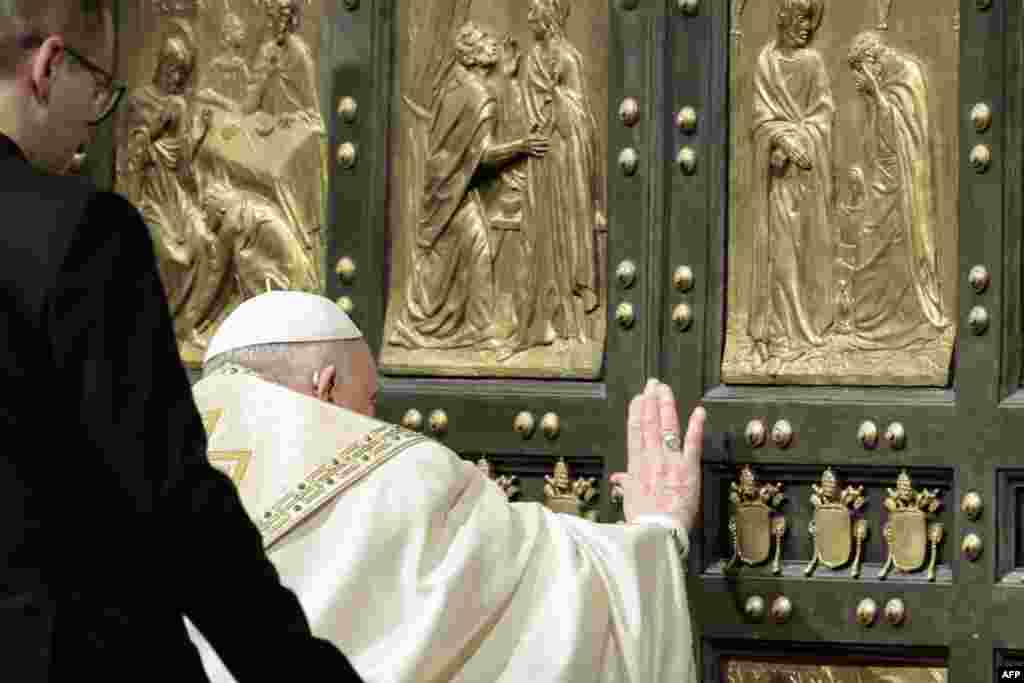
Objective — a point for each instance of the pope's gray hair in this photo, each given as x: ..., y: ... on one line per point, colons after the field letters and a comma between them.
x: 290, y: 363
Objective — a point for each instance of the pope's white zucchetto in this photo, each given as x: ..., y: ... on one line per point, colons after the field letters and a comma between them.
x: 280, y: 318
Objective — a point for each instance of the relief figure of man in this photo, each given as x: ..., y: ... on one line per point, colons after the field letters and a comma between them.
x: 791, y: 289
x: 450, y: 289
x: 227, y: 76
x: 897, y: 290
x: 282, y: 95
x: 283, y: 80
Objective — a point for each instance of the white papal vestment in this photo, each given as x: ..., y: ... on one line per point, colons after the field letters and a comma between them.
x: 422, y: 571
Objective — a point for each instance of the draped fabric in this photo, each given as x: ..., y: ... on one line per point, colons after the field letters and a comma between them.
x: 563, y: 199
x: 450, y: 291
x: 791, y: 285
x: 266, y: 253
x: 423, y: 571
x: 283, y: 84
x: 897, y: 292
x: 284, y: 80
x: 158, y: 171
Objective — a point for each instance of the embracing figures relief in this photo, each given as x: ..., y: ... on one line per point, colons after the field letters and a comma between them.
x: 843, y: 193
x: 498, y: 199
x: 222, y: 146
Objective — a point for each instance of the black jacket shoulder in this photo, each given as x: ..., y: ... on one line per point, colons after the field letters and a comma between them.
x: 41, y: 215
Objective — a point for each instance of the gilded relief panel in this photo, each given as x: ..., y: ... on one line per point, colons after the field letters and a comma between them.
x: 497, y: 196
x: 759, y: 671
x: 222, y: 146
x: 843, y: 192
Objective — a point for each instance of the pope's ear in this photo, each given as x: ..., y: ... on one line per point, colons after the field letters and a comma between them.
x: 325, y: 383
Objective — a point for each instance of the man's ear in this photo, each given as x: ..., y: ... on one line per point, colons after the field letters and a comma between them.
x: 325, y: 380
x: 44, y: 66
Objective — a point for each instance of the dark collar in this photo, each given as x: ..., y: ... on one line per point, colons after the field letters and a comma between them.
x: 9, y: 148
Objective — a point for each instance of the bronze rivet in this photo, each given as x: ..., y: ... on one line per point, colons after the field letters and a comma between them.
x: 346, y: 269
x: 978, y: 320
x: 867, y: 612
x: 687, y: 160
x: 347, y: 155
x: 682, y: 316
x: 351, y: 4
x: 981, y: 158
x: 971, y: 547
x: 867, y: 434
x: 896, y: 436
x: 979, y: 278
x: 754, y: 608
x: 629, y: 111
x: 981, y: 116
x: 345, y: 303
x: 782, y: 609
x: 625, y: 273
x: 971, y: 505
x: 524, y: 424
x: 347, y: 109
x: 625, y: 315
x: 412, y: 420
x: 438, y: 422
x: 550, y: 425
x: 682, y: 278
x: 628, y: 161
x: 688, y: 6
x: 686, y: 119
x: 782, y: 433
x: 895, y: 612
x: 755, y: 433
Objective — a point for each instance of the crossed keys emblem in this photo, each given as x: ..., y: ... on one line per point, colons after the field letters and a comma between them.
x: 907, y: 532
x: 832, y: 526
x: 754, y: 523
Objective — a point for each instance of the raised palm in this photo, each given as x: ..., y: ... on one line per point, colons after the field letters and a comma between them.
x: 659, y: 479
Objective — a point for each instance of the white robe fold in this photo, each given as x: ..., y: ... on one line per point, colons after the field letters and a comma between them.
x: 422, y: 571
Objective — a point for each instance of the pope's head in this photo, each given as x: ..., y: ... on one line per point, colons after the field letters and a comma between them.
x: 301, y: 341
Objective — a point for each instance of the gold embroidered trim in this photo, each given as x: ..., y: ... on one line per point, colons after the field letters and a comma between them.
x: 232, y: 463
x: 210, y: 420
x: 320, y: 486
x: 234, y: 369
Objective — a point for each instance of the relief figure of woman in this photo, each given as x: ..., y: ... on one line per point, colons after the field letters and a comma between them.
x: 564, y: 194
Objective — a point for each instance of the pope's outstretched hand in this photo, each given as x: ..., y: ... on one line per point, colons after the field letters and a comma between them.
x: 663, y: 476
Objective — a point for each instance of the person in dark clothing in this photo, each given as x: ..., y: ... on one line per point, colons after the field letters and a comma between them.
x: 105, y: 489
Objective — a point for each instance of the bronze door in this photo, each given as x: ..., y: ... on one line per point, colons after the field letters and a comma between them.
x: 852, y: 224
x: 804, y: 215
x: 506, y: 294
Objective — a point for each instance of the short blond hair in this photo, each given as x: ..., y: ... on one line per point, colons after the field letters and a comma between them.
x: 25, y: 24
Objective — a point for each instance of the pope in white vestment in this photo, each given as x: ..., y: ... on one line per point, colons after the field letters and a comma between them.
x: 412, y: 561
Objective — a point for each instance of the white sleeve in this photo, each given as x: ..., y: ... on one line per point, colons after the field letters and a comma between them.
x: 424, y: 571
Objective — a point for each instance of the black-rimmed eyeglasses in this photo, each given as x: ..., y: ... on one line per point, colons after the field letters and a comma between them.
x: 108, y: 91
